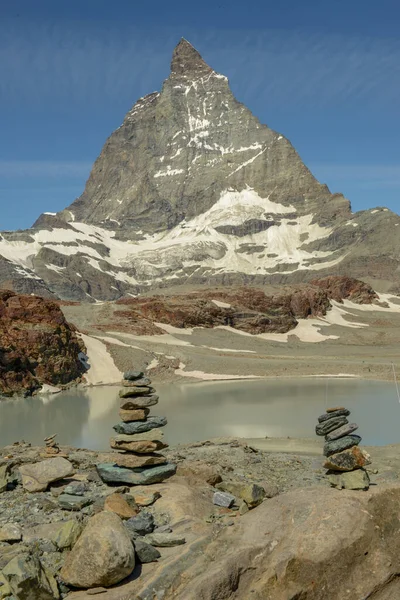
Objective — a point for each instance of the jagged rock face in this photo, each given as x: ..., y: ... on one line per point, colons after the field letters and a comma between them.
x: 179, y: 151
x: 193, y: 189
x: 37, y: 345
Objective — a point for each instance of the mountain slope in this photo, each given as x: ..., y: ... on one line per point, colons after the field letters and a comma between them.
x: 192, y: 188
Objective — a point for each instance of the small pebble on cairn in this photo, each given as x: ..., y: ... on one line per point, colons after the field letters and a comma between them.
x: 345, y: 461
x: 135, y: 459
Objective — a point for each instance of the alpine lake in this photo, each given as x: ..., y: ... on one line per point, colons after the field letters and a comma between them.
x: 273, y: 408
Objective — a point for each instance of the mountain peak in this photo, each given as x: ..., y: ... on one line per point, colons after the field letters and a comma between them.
x: 186, y: 59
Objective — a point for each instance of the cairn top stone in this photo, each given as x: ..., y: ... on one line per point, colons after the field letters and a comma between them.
x: 335, y: 408
x: 340, y: 412
x: 132, y: 375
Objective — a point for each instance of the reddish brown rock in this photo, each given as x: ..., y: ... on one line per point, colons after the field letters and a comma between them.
x: 197, y: 471
x: 340, y: 287
x: 133, y: 461
x: 37, y: 345
x: 127, y: 416
x: 115, y: 503
x: 139, y: 446
x: 144, y: 496
x: 347, y: 460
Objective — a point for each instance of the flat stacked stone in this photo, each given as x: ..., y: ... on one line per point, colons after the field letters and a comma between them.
x: 135, y: 458
x: 345, y: 461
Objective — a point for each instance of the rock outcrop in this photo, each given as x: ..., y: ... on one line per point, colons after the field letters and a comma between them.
x: 347, y: 288
x: 193, y: 189
x: 37, y: 345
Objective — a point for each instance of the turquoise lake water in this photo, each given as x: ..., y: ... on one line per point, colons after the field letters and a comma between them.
x: 198, y: 411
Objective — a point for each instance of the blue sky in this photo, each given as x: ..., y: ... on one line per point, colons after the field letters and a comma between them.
x: 325, y: 74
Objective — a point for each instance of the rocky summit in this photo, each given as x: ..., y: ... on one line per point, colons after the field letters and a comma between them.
x: 193, y: 189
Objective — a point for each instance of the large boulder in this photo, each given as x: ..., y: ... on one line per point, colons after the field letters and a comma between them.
x: 37, y: 476
x: 313, y: 544
x: 103, y: 555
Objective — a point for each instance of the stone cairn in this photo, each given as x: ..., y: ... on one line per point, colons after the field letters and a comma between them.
x: 52, y: 446
x: 345, y: 461
x: 136, y: 459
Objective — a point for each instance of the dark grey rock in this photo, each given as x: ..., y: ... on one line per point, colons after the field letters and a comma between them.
x: 141, y: 476
x: 341, y: 444
x: 328, y: 426
x: 342, y: 412
x: 341, y: 432
x: 70, y: 502
x: 146, y: 553
x: 140, y: 426
x: 142, y: 524
x: 132, y: 375
x: 141, y: 382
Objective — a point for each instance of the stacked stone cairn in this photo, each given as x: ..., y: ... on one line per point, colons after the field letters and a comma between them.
x: 136, y: 460
x: 345, y: 461
x: 52, y: 446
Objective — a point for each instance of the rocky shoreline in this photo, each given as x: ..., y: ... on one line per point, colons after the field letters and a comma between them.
x: 39, y: 525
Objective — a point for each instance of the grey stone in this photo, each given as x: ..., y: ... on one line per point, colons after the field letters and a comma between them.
x: 351, y: 480
x: 68, y: 534
x: 140, y: 426
x: 223, y: 499
x: 329, y: 425
x: 341, y: 432
x: 10, y: 532
x: 4, y: 475
x: 141, y: 382
x: 164, y: 540
x: 132, y: 375
x: 76, y: 488
x: 37, y: 476
x: 70, y: 502
x: 29, y: 580
x: 146, y: 553
x: 139, y: 402
x: 142, y: 524
x: 137, y: 391
x: 341, y: 412
x: 341, y: 444
x: 163, y: 529
x: 142, y: 476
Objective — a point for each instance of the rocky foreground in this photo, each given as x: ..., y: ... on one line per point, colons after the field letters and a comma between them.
x: 234, y: 522
x: 37, y: 345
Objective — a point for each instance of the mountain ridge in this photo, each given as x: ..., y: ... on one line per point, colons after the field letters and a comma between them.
x: 192, y: 188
